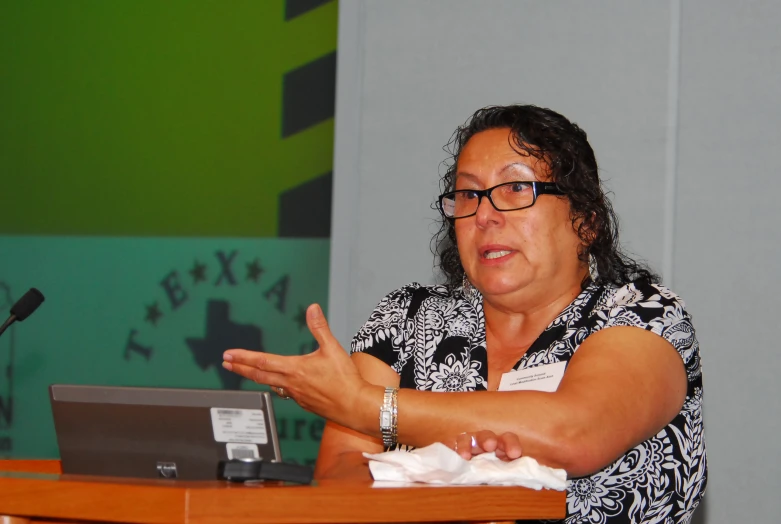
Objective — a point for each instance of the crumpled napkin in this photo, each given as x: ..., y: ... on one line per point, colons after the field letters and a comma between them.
x: 438, y: 464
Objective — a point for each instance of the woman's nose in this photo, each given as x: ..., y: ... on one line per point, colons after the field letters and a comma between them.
x: 486, y: 213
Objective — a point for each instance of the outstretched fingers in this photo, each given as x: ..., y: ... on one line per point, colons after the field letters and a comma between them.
x: 318, y: 326
x: 256, y: 359
x: 256, y: 375
x: 263, y: 368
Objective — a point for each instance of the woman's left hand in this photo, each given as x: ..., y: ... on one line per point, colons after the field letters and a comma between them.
x: 506, y: 446
x: 325, y: 382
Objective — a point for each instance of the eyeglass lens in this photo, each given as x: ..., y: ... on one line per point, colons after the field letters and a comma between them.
x: 505, y: 197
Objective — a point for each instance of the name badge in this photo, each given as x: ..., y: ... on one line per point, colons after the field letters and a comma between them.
x: 541, y: 378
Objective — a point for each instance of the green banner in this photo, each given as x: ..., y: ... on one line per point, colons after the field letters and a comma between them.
x: 166, y: 171
x: 149, y: 117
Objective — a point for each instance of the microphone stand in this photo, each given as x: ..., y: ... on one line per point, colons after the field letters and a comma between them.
x: 7, y: 323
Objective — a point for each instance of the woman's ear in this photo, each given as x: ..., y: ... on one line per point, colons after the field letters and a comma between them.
x: 586, y: 228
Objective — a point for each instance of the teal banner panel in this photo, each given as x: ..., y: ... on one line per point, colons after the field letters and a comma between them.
x: 152, y: 312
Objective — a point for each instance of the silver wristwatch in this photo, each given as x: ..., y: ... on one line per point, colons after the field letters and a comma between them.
x: 388, y: 413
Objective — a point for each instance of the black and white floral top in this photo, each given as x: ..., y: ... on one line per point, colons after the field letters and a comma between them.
x: 435, y: 340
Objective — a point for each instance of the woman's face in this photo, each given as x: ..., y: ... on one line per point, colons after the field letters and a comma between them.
x: 506, y: 253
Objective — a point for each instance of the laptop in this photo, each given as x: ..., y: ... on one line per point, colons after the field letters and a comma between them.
x: 160, y: 432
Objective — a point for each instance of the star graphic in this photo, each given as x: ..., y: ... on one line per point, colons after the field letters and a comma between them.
x: 153, y: 314
x: 300, y: 318
x: 254, y: 270
x: 198, y: 272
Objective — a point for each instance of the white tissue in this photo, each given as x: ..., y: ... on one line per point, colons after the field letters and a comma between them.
x: 438, y: 464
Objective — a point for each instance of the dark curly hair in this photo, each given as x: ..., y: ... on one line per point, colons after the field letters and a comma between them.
x: 563, y: 146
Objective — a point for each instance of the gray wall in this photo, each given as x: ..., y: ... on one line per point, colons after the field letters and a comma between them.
x: 680, y: 102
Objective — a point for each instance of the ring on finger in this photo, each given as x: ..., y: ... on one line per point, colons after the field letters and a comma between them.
x: 472, y: 440
x: 280, y: 391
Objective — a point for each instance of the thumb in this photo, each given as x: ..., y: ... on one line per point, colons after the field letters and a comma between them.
x: 318, y: 326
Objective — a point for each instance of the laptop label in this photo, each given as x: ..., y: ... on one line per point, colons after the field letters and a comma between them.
x: 247, y: 426
x: 242, y: 451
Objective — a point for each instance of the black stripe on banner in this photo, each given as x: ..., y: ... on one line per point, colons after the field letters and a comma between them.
x: 305, y: 211
x: 309, y: 94
x: 294, y: 8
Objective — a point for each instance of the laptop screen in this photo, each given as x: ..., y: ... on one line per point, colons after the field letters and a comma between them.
x: 160, y: 432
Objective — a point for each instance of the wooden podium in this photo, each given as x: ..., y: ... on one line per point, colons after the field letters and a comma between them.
x: 34, y: 491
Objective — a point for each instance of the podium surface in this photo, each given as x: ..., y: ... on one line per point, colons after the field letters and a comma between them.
x: 34, y: 491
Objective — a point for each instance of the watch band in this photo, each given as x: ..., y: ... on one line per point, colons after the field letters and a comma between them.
x: 388, y: 413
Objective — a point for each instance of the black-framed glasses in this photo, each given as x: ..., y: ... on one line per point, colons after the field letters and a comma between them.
x: 509, y: 196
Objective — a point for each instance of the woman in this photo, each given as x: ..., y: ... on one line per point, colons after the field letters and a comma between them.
x: 535, y: 277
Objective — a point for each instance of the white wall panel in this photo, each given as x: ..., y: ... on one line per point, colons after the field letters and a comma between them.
x: 681, y: 103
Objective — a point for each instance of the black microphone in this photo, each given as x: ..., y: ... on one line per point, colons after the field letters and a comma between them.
x: 23, y: 308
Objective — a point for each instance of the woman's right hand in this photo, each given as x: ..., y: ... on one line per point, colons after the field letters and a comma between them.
x: 507, y: 446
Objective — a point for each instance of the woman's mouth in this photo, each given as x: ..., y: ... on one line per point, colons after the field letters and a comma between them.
x: 490, y: 255
x: 493, y: 254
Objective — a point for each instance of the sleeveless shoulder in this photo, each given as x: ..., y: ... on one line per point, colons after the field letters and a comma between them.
x: 655, y: 308
x: 382, y: 335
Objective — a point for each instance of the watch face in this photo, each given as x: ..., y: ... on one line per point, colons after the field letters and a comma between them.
x: 385, y: 418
